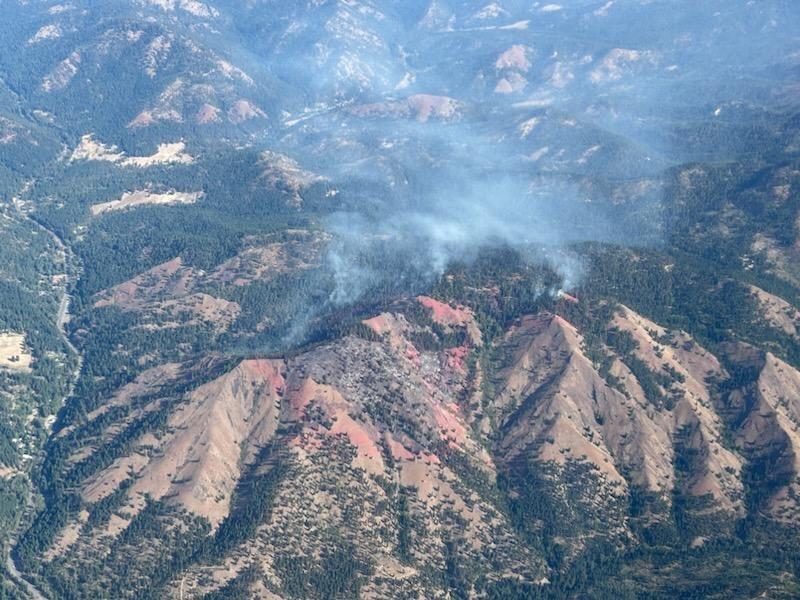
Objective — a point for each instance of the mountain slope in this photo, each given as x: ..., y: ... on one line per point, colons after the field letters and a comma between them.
x: 383, y: 454
x: 440, y: 298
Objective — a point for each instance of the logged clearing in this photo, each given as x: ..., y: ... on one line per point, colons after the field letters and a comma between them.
x: 140, y: 197
x: 166, y: 154
x: 13, y: 354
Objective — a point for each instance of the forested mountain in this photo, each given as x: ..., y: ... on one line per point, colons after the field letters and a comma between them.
x: 421, y: 299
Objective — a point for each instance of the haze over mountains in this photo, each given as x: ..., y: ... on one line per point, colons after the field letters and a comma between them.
x: 335, y: 299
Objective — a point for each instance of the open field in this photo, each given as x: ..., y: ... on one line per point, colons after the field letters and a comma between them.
x: 13, y: 354
x: 140, y: 197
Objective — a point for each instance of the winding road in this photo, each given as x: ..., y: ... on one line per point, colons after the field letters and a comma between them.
x: 26, y: 586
